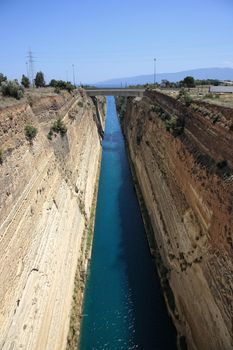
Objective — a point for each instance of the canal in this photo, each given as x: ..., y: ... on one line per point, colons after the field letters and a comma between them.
x: 123, y: 303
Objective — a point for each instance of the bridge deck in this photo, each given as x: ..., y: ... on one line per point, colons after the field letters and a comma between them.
x: 116, y: 92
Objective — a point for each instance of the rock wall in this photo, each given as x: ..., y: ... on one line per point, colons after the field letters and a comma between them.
x: 183, y: 160
x: 47, y: 190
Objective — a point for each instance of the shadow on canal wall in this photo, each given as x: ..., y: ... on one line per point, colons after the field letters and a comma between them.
x: 153, y: 327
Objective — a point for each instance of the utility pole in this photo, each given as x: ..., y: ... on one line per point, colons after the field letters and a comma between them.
x: 31, y: 67
x: 27, y: 69
x: 73, y: 74
x: 154, y: 71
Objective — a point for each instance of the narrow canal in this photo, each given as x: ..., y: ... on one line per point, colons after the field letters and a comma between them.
x: 123, y: 305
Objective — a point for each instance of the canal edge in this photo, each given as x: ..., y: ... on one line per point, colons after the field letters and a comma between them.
x: 73, y: 338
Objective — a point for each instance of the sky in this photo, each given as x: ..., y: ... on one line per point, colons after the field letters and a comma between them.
x: 112, y: 39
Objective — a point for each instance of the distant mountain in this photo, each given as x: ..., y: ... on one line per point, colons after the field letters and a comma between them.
x: 201, y: 73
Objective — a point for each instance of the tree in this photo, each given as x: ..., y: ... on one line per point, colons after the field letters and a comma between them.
x: 189, y: 82
x: 53, y: 83
x: 69, y: 87
x: 25, y: 81
x: 165, y: 83
x: 62, y: 85
x: 39, y: 80
x: 2, y: 78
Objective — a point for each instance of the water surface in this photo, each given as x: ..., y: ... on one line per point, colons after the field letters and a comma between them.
x: 123, y: 305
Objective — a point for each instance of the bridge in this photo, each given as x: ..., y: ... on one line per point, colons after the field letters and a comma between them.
x: 115, y: 92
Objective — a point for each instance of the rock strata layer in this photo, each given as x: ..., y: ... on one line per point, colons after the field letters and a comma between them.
x: 47, y: 189
x: 183, y: 161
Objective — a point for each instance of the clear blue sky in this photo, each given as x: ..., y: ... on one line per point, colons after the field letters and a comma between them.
x: 111, y: 39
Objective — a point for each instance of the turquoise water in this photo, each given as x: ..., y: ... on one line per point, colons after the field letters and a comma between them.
x: 123, y: 304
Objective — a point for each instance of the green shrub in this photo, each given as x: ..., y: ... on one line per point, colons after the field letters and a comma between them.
x: 184, y: 97
x: 30, y: 132
x: 182, y: 92
x: 57, y: 90
x: 50, y: 135
x: 12, y: 88
x: 188, y: 100
x: 59, y: 127
x: 175, y: 126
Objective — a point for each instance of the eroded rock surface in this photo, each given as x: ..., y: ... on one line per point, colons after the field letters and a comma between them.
x: 47, y: 190
x: 183, y: 161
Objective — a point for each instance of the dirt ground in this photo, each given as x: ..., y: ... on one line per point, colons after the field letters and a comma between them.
x: 28, y: 94
x: 201, y: 93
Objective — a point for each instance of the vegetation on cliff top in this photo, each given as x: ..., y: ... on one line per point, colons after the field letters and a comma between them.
x: 25, y: 82
x: 188, y: 82
x: 12, y: 88
x: 2, y: 78
x: 61, y: 85
x: 39, y: 80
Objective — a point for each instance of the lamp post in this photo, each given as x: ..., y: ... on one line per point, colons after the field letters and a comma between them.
x: 154, y: 71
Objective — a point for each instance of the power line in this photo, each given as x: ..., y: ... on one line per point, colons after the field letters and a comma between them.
x: 31, y: 66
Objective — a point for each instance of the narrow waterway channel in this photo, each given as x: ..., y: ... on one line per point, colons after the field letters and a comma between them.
x: 123, y: 305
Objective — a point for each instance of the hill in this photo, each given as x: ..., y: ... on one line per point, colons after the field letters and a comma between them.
x: 201, y: 73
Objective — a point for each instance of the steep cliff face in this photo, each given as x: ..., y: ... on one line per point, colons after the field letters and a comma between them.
x: 183, y: 161
x: 47, y: 190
